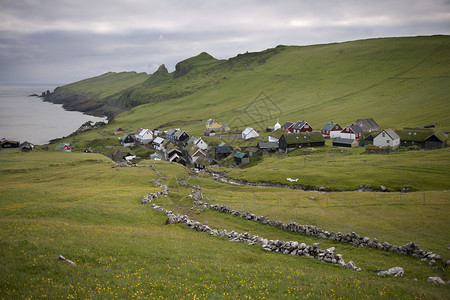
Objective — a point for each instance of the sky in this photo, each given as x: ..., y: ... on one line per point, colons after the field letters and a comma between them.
x: 63, y: 41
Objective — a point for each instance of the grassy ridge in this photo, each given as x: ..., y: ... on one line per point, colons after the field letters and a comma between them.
x: 399, y: 82
x: 90, y: 213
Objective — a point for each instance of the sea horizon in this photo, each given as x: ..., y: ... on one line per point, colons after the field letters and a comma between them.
x: 27, y: 118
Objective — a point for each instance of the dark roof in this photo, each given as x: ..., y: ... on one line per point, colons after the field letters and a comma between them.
x: 304, y: 137
x: 339, y: 140
x: 223, y: 149
x: 356, y: 128
x: 299, y: 125
x: 287, y: 124
x: 367, y: 124
x: 267, y: 145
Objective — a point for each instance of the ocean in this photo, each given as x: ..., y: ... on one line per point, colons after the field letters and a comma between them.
x: 24, y: 118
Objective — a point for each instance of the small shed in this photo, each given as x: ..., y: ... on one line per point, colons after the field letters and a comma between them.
x: 289, y: 142
x: 345, y: 143
x: 241, y: 158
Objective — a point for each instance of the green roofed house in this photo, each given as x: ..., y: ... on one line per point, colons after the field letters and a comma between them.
x: 289, y: 142
x: 241, y: 158
x: 428, y: 139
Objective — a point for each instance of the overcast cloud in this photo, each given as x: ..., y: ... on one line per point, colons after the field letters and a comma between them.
x: 61, y: 41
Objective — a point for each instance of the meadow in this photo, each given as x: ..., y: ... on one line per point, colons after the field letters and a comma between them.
x: 79, y: 206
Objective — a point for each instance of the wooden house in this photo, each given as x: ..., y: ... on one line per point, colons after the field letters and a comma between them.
x: 249, y: 133
x: 118, y: 131
x: 181, y: 135
x: 352, y: 132
x: 331, y: 130
x: 9, y: 144
x: 268, y: 147
x: 367, y: 125
x: 127, y: 140
x: 65, y: 147
x: 345, y: 143
x: 158, y: 143
x: 204, y: 162
x: 210, y: 132
x: 301, y: 126
x: 387, y: 138
x: 366, y: 138
x: 428, y: 139
x: 241, y: 158
x: 144, y: 136
x: 289, y: 142
x: 194, y: 152
x: 223, y: 151
x: 26, y: 146
x: 176, y: 155
x: 287, y: 126
x: 199, y: 142
x: 216, y: 126
x: 170, y: 134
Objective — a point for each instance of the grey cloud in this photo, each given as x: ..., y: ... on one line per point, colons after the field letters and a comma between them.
x: 63, y: 41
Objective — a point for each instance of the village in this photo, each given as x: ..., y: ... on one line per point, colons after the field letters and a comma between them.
x: 176, y: 145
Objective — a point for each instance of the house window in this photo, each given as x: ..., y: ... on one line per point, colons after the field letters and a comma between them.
x: 388, y: 141
x: 383, y: 134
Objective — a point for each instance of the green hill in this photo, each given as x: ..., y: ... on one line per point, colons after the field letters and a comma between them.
x: 397, y: 81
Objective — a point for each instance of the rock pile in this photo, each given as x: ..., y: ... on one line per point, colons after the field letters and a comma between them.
x: 395, y: 271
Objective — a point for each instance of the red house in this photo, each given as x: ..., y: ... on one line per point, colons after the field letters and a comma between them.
x: 331, y: 130
x: 301, y: 126
x: 351, y: 132
x: 287, y: 126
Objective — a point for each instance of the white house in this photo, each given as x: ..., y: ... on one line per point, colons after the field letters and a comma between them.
x: 352, y: 132
x: 144, y: 136
x: 199, y: 142
x: 157, y: 143
x: 249, y: 133
x: 386, y: 138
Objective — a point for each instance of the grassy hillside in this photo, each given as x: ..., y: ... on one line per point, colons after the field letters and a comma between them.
x: 398, y: 81
x: 75, y: 205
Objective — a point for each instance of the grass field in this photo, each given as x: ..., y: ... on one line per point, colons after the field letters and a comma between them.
x: 339, y: 169
x: 74, y: 205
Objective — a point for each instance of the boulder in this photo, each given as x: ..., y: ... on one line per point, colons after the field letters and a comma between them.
x: 436, y: 280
